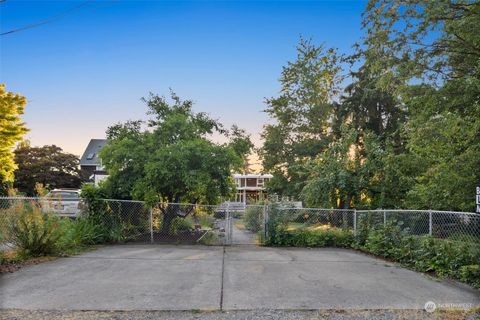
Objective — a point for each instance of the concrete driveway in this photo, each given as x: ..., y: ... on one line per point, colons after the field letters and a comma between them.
x: 153, y: 277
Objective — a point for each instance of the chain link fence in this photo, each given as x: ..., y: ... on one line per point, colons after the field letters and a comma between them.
x: 228, y: 223
x: 451, y: 225
x: 122, y: 221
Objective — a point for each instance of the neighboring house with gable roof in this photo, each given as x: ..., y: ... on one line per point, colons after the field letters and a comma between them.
x: 91, y: 168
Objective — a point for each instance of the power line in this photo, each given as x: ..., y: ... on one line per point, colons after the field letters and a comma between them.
x: 48, y: 20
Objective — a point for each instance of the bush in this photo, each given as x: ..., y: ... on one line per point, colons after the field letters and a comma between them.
x: 79, y: 233
x: 276, y: 221
x: 253, y: 218
x: 32, y: 232
x: 209, y: 238
x: 383, y: 241
x: 179, y: 224
x: 306, y: 237
x: 470, y: 274
x: 203, y: 218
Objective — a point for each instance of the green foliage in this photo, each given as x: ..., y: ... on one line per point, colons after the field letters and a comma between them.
x: 304, y: 237
x: 179, y: 225
x: 384, y: 241
x: 448, y: 258
x: 302, y: 115
x: 471, y: 274
x: 173, y: 160
x: 445, y: 178
x: 79, y: 233
x: 32, y: 232
x: 253, y: 218
x: 276, y: 218
x: 12, y: 129
x: 37, y: 233
x: 114, y: 221
x: 404, y: 132
x: 47, y: 165
x: 203, y: 217
x: 209, y: 238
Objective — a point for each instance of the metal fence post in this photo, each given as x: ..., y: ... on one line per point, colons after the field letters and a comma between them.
x: 227, y: 225
x: 264, y: 223
x: 354, y: 221
x: 151, y: 225
x: 430, y: 222
x: 384, y: 217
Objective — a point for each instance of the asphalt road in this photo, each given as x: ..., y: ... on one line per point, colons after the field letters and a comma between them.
x: 160, y: 277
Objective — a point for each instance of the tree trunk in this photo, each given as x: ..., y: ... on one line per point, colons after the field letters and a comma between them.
x: 169, y: 213
x: 168, y: 216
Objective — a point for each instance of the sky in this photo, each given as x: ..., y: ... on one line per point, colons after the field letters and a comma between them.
x: 88, y: 69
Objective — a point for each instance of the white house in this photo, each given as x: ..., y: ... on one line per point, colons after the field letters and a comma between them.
x: 251, y: 187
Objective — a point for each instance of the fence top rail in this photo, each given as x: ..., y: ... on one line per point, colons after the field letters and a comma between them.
x: 319, y: 209
x: 250, y: 205
x: 119, y: 200
x: 417, y: 211
x: 41, y: 198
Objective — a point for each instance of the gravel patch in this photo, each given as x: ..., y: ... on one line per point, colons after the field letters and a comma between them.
x: 236, y: 315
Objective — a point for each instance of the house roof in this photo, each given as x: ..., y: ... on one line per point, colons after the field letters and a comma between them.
x: 250, y: 175
x: 90, y: 156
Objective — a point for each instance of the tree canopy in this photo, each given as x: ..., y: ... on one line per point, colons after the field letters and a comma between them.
x: 47, y: 165
x: 12, y: 129
x: 170, y: 156
x: 403, y: 132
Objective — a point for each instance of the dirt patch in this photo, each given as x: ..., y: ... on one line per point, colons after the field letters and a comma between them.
x: 12, y: 265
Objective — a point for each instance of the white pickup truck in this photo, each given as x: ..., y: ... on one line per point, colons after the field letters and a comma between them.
x: 63, y: 202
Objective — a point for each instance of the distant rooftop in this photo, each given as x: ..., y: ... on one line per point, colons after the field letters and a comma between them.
x: 90, y: 156
x: 252, y: 175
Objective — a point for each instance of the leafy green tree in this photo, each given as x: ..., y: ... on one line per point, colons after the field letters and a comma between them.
x: 172, y: 159
x: 47, y: 165
x: 301, y: 114
x: 12, y: 130
x: 435, y: 43
x: 242, y: 145
x: 428, y: 40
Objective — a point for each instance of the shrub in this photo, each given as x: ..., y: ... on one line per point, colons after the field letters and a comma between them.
x: 32, y: 232
x: 179, y: 224
x: 470, y: 274
x: 253, y: 218
x: 79, y: 233
x: 384, y: 240
x: 203, y: 218
x: 209, y: 238
x: 277, y: 220
x: 307, y: 237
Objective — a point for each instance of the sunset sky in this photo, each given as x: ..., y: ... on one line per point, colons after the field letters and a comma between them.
x: 89, y: 69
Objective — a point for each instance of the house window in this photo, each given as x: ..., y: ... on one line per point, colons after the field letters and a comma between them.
x: 260, y: 182
x: 90, y: 156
